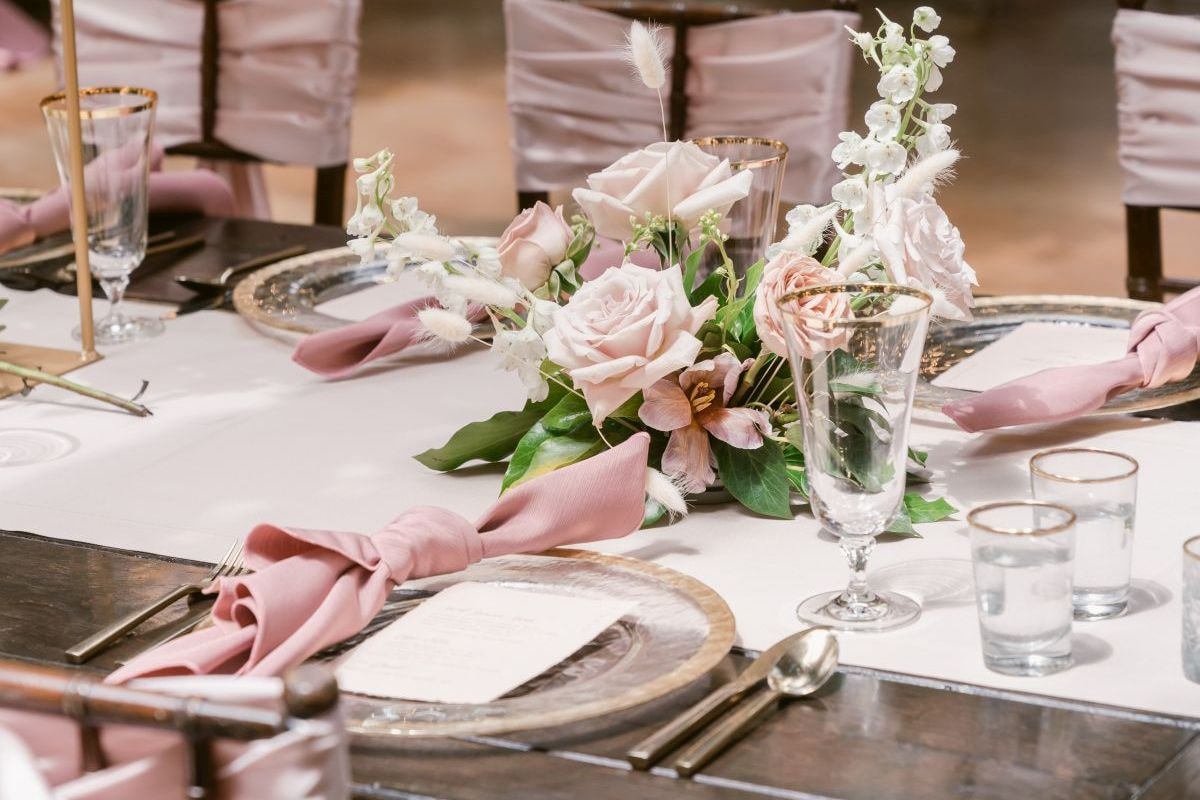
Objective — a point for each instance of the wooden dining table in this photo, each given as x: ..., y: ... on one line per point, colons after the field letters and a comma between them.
x: 868, y: 734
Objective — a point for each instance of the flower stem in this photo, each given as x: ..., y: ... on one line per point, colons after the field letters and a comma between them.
x: 37, y: 376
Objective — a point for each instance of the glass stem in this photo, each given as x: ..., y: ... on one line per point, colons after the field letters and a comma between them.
x: 114, y: 290
x: 858, y: 550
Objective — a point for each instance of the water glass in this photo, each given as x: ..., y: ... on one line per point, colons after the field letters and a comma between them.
x: 855, y: 351
x: 1022, y: 552
x: 117, y: 125
x: 752, y: 220
x: 1100, y: 486
x: 1191, y: 609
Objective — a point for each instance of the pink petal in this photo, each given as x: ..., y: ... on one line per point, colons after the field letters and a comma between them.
x: 665, y: 407
x: 688, y: 457
x: 737, y: 427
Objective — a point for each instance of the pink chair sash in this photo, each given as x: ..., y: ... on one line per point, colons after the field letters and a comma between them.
x: 576, y: 108
x: 286, y: 74
x: 1158, y: 107
x: 310, y: 760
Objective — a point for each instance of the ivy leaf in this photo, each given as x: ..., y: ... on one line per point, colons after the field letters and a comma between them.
x: 540, y: 451
x: 492, y: 439
x: 758, y: 479
x: 921, y: 510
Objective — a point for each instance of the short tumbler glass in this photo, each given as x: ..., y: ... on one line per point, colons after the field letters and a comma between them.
x: 1022, y: 552
x: 1191, y: 609
x: 1100, y: 486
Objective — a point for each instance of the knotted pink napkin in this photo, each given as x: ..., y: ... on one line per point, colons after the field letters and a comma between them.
x: 1164, y: 344
x: 192, y: 191
x: 311, y: 589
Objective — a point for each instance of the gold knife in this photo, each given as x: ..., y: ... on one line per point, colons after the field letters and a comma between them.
x: 650, y: 750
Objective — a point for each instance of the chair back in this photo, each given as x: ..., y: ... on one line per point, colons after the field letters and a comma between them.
x: 1158, y: 118
x: 239, y: 81
x: 196, y: 737
x: 731, y: 71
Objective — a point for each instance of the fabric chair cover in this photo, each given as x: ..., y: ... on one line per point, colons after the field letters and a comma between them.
x: 40, y: 758
x: 576, y: 108
x: 21, y: 39
x: 285, y: 80
x: 1158, y: 107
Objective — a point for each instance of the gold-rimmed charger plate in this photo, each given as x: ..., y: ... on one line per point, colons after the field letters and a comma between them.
x: 286, y: 295
x: 678, y: 630
x: 949, y: 342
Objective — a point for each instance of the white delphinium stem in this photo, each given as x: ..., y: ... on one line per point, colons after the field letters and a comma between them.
x: 445, y: 326
x: 926, y: 173
x: 665, y: 492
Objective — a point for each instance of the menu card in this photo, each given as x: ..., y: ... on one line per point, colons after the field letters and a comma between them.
x: 474, y: 643
x: 1032, y: 347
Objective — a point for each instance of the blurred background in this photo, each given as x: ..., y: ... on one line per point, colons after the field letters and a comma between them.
x: 1037, y: 198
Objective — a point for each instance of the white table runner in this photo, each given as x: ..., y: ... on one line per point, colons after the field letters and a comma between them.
x: 241, y: 435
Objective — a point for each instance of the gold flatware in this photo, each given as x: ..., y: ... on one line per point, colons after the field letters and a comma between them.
x: 231, y: 564
x: 222, y: 280
x: 801, y: 669
x: 59, y: 246
x: 649, y: 751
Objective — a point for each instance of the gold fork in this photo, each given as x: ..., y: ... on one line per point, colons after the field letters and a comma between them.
x: 231, y: 564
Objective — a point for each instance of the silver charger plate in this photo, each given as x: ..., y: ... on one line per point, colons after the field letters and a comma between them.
x: 678, y: 630
x: 285, y: 295
x: 949, y: 342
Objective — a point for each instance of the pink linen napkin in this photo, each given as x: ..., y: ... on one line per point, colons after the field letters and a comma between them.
x: 40, y: 756
x: 1164, y: 344
x: 311, y: 589
x: 199, y: 191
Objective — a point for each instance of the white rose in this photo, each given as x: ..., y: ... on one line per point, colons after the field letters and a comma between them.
x: 624, y: 331
x: 640, y: 183
x: 920, y: 247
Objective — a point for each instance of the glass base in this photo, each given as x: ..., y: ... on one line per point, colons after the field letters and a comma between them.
x: 1027, y: 665
x: 887, y: 611
x: 122, y: 329
x: 1091, y: 612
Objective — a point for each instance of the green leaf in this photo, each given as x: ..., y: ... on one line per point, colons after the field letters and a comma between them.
x: 902, y: 526
x: 540, y: 452
x: 919, y: 456
x: 567, y: 415
x: 921, y: 510
x: 758, y: 479
x: 492, y: 439
x: 691, y: 265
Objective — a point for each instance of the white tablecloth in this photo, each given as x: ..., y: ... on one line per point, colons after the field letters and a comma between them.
x: 241, y: 435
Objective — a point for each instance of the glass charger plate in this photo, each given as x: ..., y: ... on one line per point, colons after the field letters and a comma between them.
x: 679, y: 630
x: 950, y: 342
x: 286, y: 294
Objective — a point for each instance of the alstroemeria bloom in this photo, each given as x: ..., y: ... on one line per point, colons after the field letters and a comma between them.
x: 695, y: 406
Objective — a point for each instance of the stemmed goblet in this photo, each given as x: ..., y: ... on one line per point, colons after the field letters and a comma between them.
x: 117, y: 126
x: 855, y: 352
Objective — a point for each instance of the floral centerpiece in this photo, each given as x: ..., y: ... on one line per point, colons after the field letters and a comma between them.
x: 690, y: 352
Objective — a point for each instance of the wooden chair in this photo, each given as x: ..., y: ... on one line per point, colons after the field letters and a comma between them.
x: 680, y: 16
x: 309, y: 691
x: 1143, y: 236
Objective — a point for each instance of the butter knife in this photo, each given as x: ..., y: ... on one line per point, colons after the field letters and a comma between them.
x: 650, y: 750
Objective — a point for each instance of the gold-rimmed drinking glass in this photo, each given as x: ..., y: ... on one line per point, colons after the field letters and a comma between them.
x: 1191, y: 609
x: 117, y: 126
x: 1022, y: 553
x: 1100, y: 486
x: 751, y: 221
x: 855, y: 351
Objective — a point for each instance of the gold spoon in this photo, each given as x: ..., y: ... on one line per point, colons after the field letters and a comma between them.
x: 802, y: 669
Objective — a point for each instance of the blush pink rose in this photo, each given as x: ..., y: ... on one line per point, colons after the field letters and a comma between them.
x: 675, y: 179
x: 533, y: 244
x: 790, y: 272
x: 624, y: 331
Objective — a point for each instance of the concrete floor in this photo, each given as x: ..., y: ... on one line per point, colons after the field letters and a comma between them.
x: 1037, y: 198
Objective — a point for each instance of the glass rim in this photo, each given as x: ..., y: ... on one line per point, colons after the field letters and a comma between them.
x: 1191, y: 547
x: 1059, y: 528
x: 747, y: 163
x: 846, y: 286
x: 1056, y: 476
x: 151, y: 100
